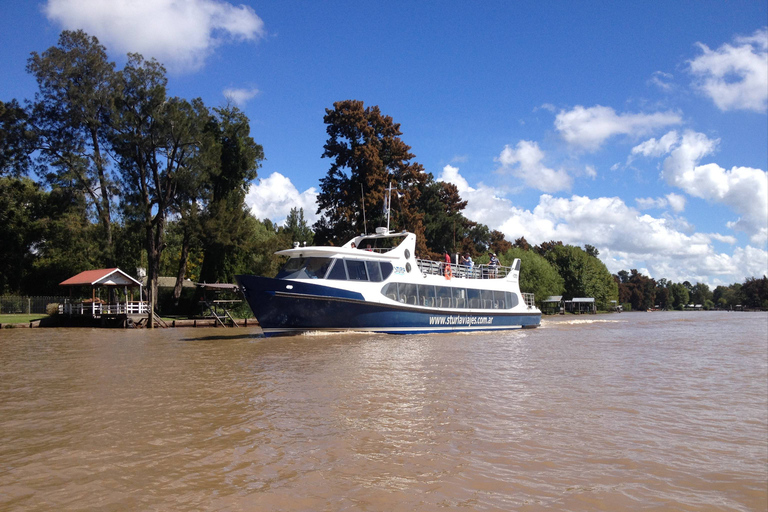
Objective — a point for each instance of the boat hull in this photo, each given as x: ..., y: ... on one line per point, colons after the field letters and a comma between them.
x: 309, y: 307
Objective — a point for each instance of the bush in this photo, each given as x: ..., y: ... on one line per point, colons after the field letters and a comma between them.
x: 52, y: 309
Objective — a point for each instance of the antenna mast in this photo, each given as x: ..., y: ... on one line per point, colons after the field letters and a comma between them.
x: 362, y: 196
x: 389, y: 204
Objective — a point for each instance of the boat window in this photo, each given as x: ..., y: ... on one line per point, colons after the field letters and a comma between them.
x: 338, y: 271
x: 443, y: 294
x: 427, y: 295
x: 474, y: 299
x: 511, y: 299
x: 305, y: 268
x: 386, y: 269
x: 487, y: 299
x: 380, y: 244
x: 374, y: 273
x: 408, y: 293
x: 390, y: 291
x: 459, y: 298
x: 356, y: 270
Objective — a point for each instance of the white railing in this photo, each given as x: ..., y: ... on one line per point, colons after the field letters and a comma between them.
x: 528, y: 298
x: 481, y: 271
x: 100, y: 309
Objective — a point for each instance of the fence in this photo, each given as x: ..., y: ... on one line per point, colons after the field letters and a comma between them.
x: 20, y: 304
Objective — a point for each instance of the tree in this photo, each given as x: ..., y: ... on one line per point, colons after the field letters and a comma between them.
x: 17, y: 141
x: 297, y: 228
x: 700, y: 294
x: 583, y: 275
x: 367, y: 154
x: 444, y: 225
x: 755, y: 292
x: 235, y: 160
x: 591, y: 250
x: 159, y: 142
x: 20, y: 210
x: 498, y: 243
x: 71, y: 119
x: 537, y: 275
x: 678, y: 295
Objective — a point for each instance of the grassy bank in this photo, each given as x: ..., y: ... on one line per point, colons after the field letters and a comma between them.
x: 21, y: 319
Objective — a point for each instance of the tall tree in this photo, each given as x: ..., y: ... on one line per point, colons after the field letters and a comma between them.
x: 234, y: 165
x: 71, y: 118
x: 297, y: 228
x: 367, y: 154
x: 159, y: 142
x: 444, y: 225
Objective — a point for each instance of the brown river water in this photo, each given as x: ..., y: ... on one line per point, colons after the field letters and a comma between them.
x: 632, y: 411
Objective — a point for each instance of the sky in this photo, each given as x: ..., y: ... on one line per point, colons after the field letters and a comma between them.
x: 637, y: 127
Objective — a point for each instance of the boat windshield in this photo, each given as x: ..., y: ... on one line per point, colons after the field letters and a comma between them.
x: 305, y: 268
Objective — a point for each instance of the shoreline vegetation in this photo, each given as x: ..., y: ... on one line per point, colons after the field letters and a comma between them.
x: 87, y: 183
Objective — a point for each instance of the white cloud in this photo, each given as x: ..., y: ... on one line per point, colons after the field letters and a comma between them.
x: 525, y: 162
x: 743, y: 189
x: 179, y: 34
x: 240, y: 96
x: 649, y: 203
x: 625, y: 237
x: 723, y: 238
x: 657, y: 148
x: 662, y: 80
x: 588, y: 128
x: 590, y: 171
x: 273, y: 197
x: 735, y: 77
x: 676, y: 202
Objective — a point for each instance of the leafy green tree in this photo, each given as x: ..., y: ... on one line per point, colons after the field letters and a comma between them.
x: 700, y: 294
x: 71, y: 120
x: 678, y: 295
x: 755, y: 292
x: 537, y: 275
x: 591, y: 250
x: 583, y: 275
x: 20, y: 209
x: 69, y: 242
x: 662, y: 293
x: 367, y: 154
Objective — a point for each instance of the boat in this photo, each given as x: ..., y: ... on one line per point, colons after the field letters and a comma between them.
x: 375, y: 283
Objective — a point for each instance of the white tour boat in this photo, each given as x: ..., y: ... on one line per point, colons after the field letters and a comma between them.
x: 374, y: 283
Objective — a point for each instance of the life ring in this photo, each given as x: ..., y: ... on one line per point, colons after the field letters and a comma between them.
x: 448, y: 271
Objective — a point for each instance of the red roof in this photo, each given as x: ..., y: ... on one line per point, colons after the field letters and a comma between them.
x: 98, y: 276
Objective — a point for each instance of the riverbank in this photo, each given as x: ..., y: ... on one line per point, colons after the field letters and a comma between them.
x: 33, y: 321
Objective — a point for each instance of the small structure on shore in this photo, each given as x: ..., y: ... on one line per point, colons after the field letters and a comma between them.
x: 581, y: 305
x: 111, y: 309
x: 552, y: 305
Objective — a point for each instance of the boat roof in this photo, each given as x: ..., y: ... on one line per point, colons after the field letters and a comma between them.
x: 391, y: 253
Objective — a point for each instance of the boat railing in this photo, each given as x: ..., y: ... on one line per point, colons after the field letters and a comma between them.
x: 529, y: 300
x: 481, y: 271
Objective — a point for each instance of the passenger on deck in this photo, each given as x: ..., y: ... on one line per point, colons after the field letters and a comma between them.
x: 493, y: 266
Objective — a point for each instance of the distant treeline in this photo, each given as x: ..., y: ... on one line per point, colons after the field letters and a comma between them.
x: 104, y: 169
x: 642, y: 292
